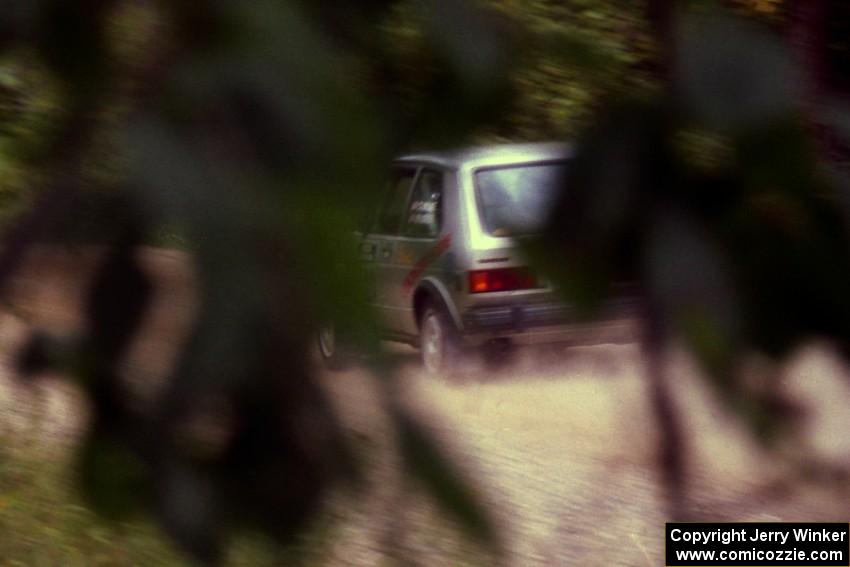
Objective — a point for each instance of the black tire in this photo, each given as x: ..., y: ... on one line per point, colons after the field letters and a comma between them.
x: 335, y: 353
x: 439, y: 344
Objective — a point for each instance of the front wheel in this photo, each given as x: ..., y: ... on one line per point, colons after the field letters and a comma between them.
x: 334, y: 353
x: 438, y: 342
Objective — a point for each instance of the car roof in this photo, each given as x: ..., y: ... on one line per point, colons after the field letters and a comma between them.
x: 498, y: 154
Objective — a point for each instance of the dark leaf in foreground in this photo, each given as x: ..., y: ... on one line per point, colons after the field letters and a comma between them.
x: 733, y: 75
x: 114, y: 480
x: 428, y: 463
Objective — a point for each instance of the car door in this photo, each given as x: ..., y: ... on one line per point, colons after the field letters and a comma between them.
x: 380, y: 246
x: 418, y: 250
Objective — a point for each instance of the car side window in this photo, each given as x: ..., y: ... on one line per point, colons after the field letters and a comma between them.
x: 425, y: 212
x: 391, y: 213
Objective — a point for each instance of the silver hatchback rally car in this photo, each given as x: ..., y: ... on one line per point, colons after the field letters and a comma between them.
x: 443, y: 249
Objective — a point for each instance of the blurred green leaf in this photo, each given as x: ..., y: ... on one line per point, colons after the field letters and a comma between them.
x: 694, y: 287
x: 455, y: 26
x: 731, y: 74
x: 838, y: 117
x: 114, y: 481
x: 428, y: 463
x: 189, y: 510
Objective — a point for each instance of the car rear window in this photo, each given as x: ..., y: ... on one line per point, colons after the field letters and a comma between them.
x: 513, y: 200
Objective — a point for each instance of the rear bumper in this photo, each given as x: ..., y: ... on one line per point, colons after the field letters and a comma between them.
x: 535, y: 323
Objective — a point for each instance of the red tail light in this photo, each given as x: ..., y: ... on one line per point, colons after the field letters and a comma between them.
x: 502, y: 279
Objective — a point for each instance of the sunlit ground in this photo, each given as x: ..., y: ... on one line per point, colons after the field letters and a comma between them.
x: 561, y: 443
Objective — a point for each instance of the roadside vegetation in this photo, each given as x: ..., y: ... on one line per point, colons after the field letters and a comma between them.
x: 711, y: 170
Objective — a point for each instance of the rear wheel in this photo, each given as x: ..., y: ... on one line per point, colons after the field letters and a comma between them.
x: 335, y: 354
x: 438, y: 340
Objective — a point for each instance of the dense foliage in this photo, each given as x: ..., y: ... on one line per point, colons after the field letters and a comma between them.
x: 247, y: 129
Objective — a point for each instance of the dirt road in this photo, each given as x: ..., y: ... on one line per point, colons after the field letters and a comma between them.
x: 564, y: 450
x: 561, y: 448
